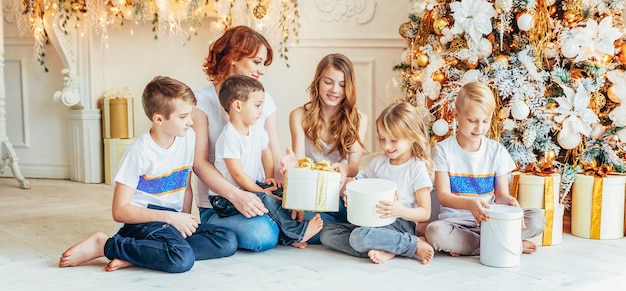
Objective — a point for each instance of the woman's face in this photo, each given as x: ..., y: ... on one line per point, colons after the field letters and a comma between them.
x: 253, y: 67
x: 331, y: 87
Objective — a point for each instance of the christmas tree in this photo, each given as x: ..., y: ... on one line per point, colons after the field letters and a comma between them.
x: 556, y: 68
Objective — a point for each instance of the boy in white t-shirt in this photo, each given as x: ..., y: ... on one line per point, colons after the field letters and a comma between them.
x: 153, y: 198
x: 243, y: 156
x: 471, y: 172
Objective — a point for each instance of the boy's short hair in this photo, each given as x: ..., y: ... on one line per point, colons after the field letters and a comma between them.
x: 478, y: 92
x: 238, y: 87
x: 160, y: 93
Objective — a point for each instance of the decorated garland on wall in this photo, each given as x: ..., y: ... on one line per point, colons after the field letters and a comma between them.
x: 278, y: 20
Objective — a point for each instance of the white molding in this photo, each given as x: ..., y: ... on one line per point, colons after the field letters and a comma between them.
x: 25, y: 124
x: 362, y: 11
x: 352, y: 43
x: 41, y: 170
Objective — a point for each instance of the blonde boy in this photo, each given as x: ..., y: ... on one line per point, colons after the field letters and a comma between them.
x: 471, y: 172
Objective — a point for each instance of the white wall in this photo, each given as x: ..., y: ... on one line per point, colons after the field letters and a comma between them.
x: 38, y: 126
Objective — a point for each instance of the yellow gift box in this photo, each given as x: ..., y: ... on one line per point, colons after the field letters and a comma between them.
x: 312, y: 188
x: 118, y: 118
x: 541, y: 192
x: 597, y: 207
x: 113, y: 150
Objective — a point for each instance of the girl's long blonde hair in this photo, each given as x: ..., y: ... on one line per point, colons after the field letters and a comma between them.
x: 401, y: 121
x: 344, y: 126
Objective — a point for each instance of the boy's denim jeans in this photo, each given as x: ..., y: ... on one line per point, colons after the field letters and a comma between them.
x: 160, y: 246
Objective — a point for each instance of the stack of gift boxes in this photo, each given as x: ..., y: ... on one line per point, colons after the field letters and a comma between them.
x: 117, y: 130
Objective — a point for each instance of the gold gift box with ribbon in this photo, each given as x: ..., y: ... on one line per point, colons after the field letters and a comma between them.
x: 118, y: 114
x: 541, y: 191
x: 312, y: 187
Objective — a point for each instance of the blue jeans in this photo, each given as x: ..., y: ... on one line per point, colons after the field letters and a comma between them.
x: 160, y: 246
x: 398, y: 238
x: 256, y: 234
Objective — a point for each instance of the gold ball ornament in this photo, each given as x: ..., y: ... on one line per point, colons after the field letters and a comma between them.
x: 611, y: 94
x: 552, y: 10
x: 439, y: 24
x: 405, y: 30
x: 606, y: 58
x: 597, y: 102
x: 439, y: 76
x: 422, y: 60
x: 550, y: 155
x: 259, y: 11
x: 503, y: 60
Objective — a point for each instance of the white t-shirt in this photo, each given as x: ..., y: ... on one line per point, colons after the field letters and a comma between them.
x: 409, y: 176
x: 159, y: 175
x: 333, y: 157
x: 471, y: 174
x: 246, y: 148
x: 208, y: 101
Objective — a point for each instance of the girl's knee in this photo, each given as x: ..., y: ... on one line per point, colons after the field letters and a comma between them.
x: 358, y: 239
x: 534, y: 220
x: 435, y: 230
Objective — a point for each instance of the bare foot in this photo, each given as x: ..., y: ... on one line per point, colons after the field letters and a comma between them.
x: 313, y: 227
x: 424, y: 250
x: 455, y: 254
x: 117, y: 264
x: 380, y: 256
x: 84, y: 251
x: 300, y: 245
x: 528, y: 247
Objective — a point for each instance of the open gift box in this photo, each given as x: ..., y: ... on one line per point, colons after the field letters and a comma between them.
x: 312, y: 190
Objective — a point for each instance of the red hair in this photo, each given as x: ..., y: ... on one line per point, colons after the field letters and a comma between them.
x: 236, y: 43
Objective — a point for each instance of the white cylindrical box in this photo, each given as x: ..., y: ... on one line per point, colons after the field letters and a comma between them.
x: 501, y: 236
x: 363, y: 196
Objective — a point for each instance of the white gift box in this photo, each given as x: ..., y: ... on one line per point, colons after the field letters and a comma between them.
x: 598, y: 207
x: 554, y: 229
x: 541, y: 192
x: 113, y: 150
x: 312, y: 190
x: 363, y: 196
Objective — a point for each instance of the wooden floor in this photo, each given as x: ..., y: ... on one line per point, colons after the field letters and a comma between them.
x: 38, y: 224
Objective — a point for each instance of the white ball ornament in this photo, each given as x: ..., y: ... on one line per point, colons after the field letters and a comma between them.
x: 440, y: 127
x: 597, y: 130
x: 568, y: 141
x: 525, y: 21
x: 471, y: 76
x: 520, y: 110
x: 570, y: 49
x: 485, y: 47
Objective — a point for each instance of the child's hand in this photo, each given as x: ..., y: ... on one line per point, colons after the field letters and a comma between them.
x: 388, y: 209
x: 272, y: 181
x: 345, y: 182
x: 269, y: 190
x: 183, y: 222
x: 288, y: 161
x: 477, y: 208
x: 297, y: 215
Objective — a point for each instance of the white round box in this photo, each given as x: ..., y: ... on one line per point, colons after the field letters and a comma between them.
x: 363, y: 196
